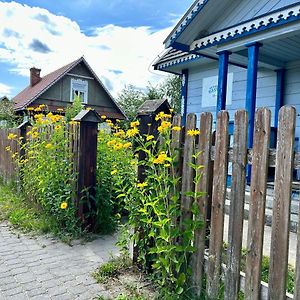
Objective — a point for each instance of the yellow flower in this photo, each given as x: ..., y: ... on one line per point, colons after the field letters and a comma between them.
x: 63, y: 205
x: 142, y: 185
x: 34, y: 135
x: 133, y: 162
x: 11, y: 136
x: 118, y: 146
x: 48, y: 146
x: 14, y: 155
x: 193, y: 132
x: 149, y: 124
x: 30, y: 108
x: 167, y: 165
x: 150, y: 137
x: 60, y: 109
x: 88, y: 108
x: 132, y: 132
x: 57, y: 127
x: 171, y: 110
x: 7, y: 148
x: 120, y: 133
x: 111, y: 143
x: 42, y: 106
x: 134, y: 124
x: 72, y: 122
x: 103, y: 117
x: 176, y: 128
x: 127, y: 145
x: 117, y: 120
x: 162, y: 115
x: 113, y: 172
x: 164, y: 126
x: 162, y: 157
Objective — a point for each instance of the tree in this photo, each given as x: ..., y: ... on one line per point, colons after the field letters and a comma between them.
x: 171, y: 90
x: 74, y: 109
x: 8, y: 118
x: 130, y: 99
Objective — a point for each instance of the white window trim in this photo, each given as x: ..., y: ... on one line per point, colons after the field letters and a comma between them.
x: 85, y: 90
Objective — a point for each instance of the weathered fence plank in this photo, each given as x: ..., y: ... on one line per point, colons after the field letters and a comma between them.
x: 204, y: 160
x: 217, y: 212
x: 187, y: 171
x: 281, y: 207
x: 256, y: 219
x: 236, y: 214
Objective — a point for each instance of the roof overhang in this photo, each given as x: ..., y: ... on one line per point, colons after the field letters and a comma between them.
x: 270, y: 29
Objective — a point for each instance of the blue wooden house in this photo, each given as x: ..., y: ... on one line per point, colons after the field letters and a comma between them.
x: 235, y: 54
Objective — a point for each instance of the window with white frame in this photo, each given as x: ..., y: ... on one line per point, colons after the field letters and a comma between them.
x: 79, y: 88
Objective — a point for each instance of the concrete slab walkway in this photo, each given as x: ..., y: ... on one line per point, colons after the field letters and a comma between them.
x: 44, y: 268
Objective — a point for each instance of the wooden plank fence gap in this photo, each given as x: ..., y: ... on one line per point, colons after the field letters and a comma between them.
x: 218, y: 202
x: 236, y: 215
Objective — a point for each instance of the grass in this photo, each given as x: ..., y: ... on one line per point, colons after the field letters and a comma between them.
x: 111, y: 269
x: 23, y: 215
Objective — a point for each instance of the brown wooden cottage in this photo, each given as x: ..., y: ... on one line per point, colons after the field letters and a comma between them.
x: 59, y: 88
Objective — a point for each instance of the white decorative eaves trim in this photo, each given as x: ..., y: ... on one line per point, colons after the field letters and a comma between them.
x: 177, y: 61
x: 246, y: 27
x: 180, y: 27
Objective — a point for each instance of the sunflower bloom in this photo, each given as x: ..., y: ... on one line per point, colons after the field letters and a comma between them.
x: 113, y: 172
x: 142, y: 185
x: 64, y: 205
x: 176, y: 128
x: 48, y: 146
x: 161, y: 158
x: 149, y: 137
x: 11, y: 136
x: 193, y: 132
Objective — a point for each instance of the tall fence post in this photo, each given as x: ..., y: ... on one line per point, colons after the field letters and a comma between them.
x: 87, y: 163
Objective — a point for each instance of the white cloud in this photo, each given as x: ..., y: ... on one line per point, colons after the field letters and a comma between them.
x: 125, y: 49
x: 5, y: 90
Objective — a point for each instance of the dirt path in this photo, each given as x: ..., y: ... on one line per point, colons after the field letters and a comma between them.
x: 44, y: 268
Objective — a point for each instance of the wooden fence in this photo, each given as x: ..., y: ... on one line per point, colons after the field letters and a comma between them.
x: 82, y: 138
x: 215, y: 157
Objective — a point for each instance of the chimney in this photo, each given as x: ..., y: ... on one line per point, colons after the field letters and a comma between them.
x: 35, y: 76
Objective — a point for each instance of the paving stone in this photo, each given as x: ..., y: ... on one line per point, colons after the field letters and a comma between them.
x: 42, y: 268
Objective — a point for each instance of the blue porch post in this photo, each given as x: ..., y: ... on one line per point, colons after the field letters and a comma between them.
x: 253, y: 54
x: 184, y: 94
x: 280, y: 74
x: 222, y: 80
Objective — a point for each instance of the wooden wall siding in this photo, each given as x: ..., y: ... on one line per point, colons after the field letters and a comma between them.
x: 266, y: 90
x: 245, y: 10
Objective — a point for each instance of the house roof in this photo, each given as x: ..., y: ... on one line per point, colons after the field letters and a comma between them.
x: 151, y: 106
x: 174, y: 57
x: 31, y: 93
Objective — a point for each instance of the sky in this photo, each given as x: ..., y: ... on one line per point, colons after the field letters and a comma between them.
x: 120, y: 39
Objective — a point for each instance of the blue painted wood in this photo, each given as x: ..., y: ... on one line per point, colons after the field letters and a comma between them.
x: 222, y: 80
x: 280, y: 74
x: 253, y: 53
x: 184, y: 95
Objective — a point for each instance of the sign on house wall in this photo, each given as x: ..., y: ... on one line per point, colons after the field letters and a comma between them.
x: 210, y: 89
